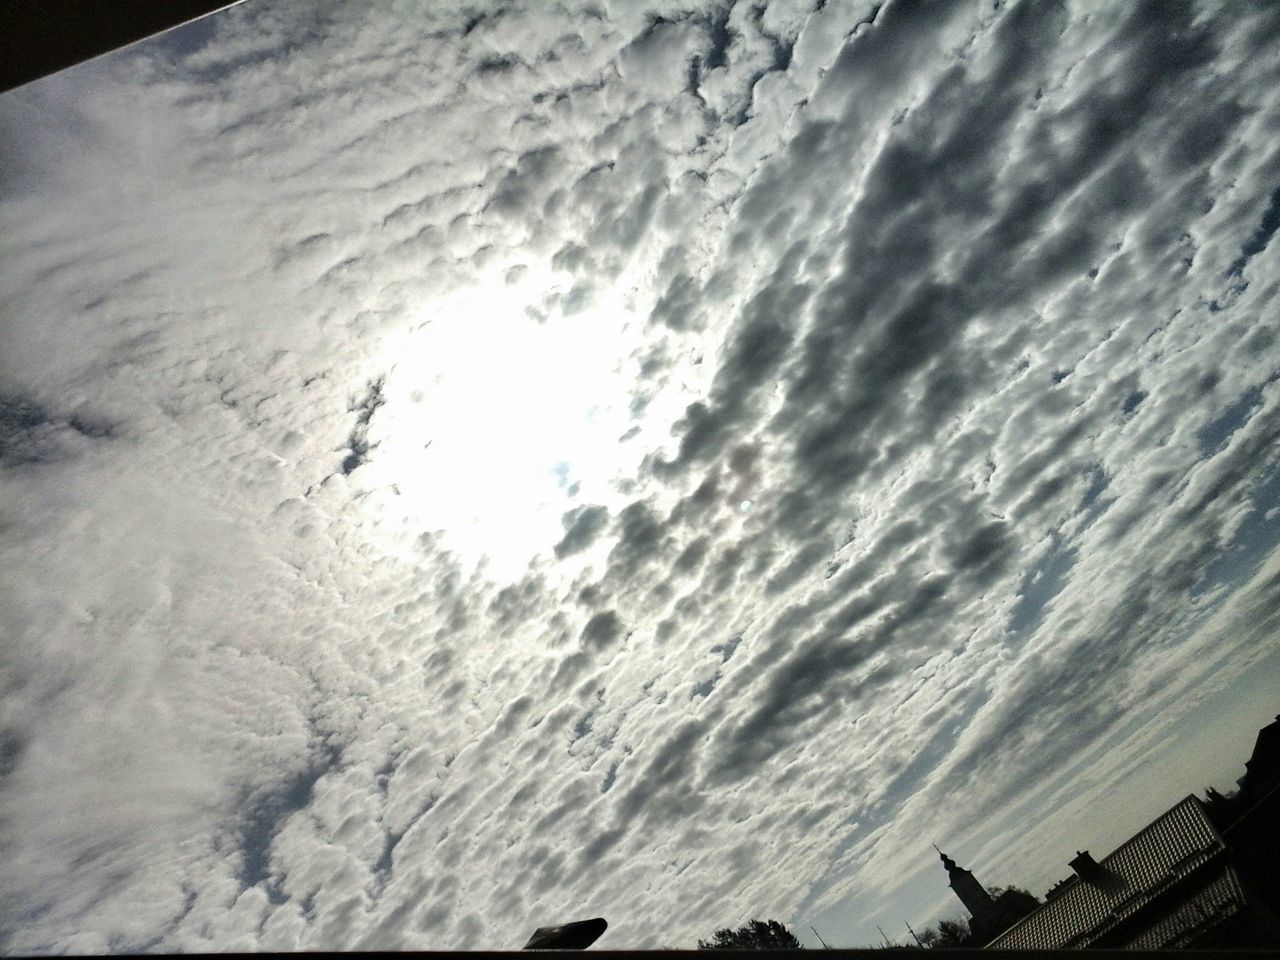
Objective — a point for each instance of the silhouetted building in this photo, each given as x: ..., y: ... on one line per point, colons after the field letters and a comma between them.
x: 1249, y: 820
x: 1203, y: 874
x: 1262, y: 769
x: 984, y: 916
x: 1173, y: 884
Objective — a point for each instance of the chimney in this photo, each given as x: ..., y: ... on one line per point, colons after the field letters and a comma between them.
x: 1086, y: 868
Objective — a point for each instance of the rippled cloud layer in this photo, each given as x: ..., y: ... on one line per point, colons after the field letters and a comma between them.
x: 466, y: 471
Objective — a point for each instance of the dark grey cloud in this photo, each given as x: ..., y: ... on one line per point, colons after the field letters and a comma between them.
x: 640, y: 539
x: 581, y: 527
x: 527, y: 182
x: 30, y: 433
x: 602, y: 630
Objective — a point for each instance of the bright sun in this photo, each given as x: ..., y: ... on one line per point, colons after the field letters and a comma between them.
x: 495, y: 423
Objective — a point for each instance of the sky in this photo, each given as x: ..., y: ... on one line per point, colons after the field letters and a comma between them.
x: 468, y: 467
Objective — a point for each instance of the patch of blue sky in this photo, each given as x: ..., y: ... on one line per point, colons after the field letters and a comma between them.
x: 1257, y: 537
x: 1046, y: 580
x: 1039, y: 588
x: 1261, y: 237
x: 1215, y: 434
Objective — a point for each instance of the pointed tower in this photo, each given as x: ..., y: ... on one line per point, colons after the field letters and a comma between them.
x: 972, y: 894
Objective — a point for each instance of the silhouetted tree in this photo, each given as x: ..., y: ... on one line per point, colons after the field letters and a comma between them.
x: 754, y: 935
x: 1013, y: 902
x: 953, y: 932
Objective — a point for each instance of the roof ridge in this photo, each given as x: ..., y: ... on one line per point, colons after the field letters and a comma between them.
x: 1095, y: 907
x: 1194, y: 803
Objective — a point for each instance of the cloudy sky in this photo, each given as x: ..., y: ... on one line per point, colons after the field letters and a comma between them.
x: 465, y: 467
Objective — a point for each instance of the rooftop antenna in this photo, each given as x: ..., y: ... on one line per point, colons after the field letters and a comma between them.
x: 913, y: 933
x: 883, y: 937
x: 819, y: 936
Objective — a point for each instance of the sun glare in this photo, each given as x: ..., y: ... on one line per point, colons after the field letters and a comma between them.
x: 497, y: 422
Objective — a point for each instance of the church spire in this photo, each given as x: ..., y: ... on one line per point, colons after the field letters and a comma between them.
x: 971, y: 893
x: 946, y: 861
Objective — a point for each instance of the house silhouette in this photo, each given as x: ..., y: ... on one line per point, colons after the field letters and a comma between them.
x: 1203, y: 874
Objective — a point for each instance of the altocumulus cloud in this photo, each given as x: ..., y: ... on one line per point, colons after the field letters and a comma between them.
x: 469, y: 470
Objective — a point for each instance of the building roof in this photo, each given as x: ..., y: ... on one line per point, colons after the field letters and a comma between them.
x: 1219, y: 896
x: 1179, y: 849
x: 1266, y: 751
